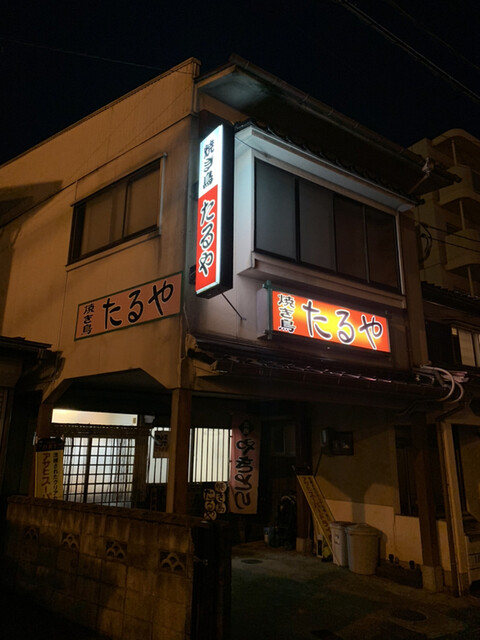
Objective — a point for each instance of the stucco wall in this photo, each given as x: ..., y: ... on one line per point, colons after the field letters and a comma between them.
x: 43, y: 292
x: 125, y: 573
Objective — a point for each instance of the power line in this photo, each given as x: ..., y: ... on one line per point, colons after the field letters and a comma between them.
x: 432, y: 35
x: 410, y: 50
x: 430, y: 226
x: 82, y: 55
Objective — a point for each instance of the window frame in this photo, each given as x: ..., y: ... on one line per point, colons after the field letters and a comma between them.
x: 79, y: 208
x: 336, y: 198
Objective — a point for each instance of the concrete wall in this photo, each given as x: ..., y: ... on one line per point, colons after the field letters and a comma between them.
x: 126, y: 573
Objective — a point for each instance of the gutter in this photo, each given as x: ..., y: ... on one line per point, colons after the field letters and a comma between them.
x: 347, y: 124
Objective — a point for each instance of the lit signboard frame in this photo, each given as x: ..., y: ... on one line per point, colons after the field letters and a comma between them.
x: 214, y: 226
x: 291, y: 314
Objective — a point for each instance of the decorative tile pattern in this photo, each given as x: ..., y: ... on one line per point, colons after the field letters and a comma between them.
x: 172, y: 562
x: 115, y: 550
x: 30, y: 533
x: 71, y: 541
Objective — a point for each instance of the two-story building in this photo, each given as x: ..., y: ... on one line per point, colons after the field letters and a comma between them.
x: 221, y: 254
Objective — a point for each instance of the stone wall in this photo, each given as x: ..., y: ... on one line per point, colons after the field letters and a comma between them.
x: 126, y: 573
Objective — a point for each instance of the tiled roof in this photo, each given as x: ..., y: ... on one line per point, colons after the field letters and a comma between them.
x: 242, y: 360
x: 328, y: 157
x: 451, y: 298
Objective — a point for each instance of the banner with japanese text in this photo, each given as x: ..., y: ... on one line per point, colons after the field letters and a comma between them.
x: 49, y: 468
x: 245, y: 456
x: 144, y: 303
x: 214, y: 213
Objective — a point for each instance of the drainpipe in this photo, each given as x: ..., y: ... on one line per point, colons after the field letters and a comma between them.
x: 457, y: 584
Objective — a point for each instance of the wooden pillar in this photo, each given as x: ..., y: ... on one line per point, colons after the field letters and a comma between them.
x: 431, y: 568
x: 44, y: 423
x: 303, y: 463
x: 44, y: 420
x: 139, y: 484
x: 453, y: 508
x: 180, y: 421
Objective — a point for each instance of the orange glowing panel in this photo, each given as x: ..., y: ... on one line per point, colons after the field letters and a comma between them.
x: 146, y: 302
x: 332, y: 323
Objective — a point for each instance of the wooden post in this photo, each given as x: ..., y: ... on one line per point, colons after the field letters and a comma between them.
x: 44, y: 422
x: 431, y: 568
x: 139, y: 484
x: 180, y: 420
x: 453, y: 508
x: 303, y: 461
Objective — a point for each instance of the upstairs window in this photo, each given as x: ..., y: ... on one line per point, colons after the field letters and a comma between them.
x: 123, y: 210
x: 466, y: 345
x: 308, y: 224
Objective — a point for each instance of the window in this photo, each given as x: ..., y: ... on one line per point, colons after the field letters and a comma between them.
x: 466, y: 345
x: 117, y: 213
x: 99, y: 470
x: 209, y: 456
x: 308, y: 224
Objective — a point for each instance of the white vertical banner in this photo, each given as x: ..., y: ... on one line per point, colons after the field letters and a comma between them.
x: 244, y: 472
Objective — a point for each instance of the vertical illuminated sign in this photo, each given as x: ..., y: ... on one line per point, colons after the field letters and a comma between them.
x: 213, y: 273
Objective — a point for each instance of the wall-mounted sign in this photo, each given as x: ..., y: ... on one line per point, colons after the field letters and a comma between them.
x: 213, y: 271
x: 161, y: 442
x: 150, y: 301
x: 49, y: 468
x: 245, y: 455
x: 291, y: 314
x: 214, y: 500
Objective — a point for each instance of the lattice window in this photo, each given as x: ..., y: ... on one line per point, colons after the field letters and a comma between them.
x: 99, y: 470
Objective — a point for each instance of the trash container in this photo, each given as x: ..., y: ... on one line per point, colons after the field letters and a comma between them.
x: 362, y: 547
x: 339, y: 542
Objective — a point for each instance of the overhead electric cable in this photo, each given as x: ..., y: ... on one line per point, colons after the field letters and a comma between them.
x: 82, y: 55
x: 434, y: 36
x: 410, y: 50
x: 448, y: 233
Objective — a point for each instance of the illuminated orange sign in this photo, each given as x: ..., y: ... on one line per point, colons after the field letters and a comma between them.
x: 144, y: 303
x: 332, y: 323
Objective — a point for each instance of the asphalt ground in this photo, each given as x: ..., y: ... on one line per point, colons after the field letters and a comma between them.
x: 279, y: 595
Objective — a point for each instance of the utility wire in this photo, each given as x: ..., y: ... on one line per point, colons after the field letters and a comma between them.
x: 82, y: 55
x: 410, y: 50
x: 448, y: 233
x: 453, y: 244
x: 432, y: 35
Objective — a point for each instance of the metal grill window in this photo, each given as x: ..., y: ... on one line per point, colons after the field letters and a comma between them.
x: 209, y: 454
x: 209, y: 457
x: 99, y: 470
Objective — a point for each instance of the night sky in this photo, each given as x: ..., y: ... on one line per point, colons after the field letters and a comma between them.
x: 318, y: 46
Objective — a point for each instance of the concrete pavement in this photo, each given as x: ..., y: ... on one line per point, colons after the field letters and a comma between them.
x: 280, y: 595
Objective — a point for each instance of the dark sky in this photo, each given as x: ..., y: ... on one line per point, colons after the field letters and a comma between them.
x: 319, y: 46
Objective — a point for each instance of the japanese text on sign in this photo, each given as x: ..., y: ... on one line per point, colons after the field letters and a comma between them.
x: 209, y: 211
x: 144, y: 303
x: 324, y: 321
x: 244, y: 469
x: 49, y: 470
